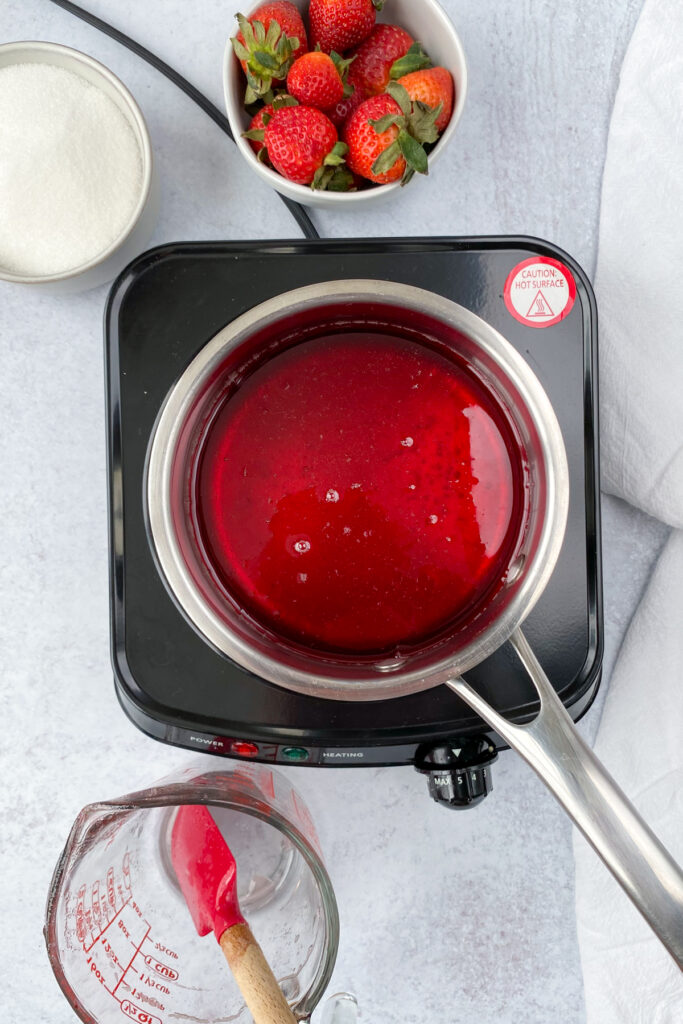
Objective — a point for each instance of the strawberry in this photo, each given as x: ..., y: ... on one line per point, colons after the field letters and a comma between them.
x: 317, y: 79
x: 375, y: 57
x: 340, y: 24
x: 366, y: 145
x: 267, y: 44
x: 257, y: 128
x: 385, y: 136
x: 303, y: 146
x: 433, y: 87
x: 388, y: 52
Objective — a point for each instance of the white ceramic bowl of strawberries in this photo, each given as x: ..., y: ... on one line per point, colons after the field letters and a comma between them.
x: 426, y: 23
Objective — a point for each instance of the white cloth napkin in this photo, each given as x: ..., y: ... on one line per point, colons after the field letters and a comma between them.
x: 629, y: 978
x: 639, y: 278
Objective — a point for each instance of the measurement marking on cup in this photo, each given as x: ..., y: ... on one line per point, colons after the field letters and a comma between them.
x: 148, y: 999
x: 111, y: 894
x: 132, y: 958
x: 80, y: 921
x: 94, y: 969
x: 169, y: 973
x: 110, y: 953
x: 158, y: 986
x: 95, y: 940
x: 136, y: 1013
x: 126, y: 870
x: 95, y: 904
x: 159, y: 946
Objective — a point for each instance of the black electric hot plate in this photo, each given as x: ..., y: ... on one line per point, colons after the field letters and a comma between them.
x: 171, y: 683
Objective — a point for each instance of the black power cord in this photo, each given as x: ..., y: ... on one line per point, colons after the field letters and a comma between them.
x: 297, y: 211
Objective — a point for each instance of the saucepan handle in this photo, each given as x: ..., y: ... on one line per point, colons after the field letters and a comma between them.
x: 590, y: 796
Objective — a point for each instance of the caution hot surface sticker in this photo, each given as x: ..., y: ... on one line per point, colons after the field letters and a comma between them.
x: 540, y: 291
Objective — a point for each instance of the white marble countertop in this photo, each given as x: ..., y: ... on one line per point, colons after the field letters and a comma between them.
x: 445, y: 917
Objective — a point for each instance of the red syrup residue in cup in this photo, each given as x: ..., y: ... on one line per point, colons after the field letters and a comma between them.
x: 359, y: 492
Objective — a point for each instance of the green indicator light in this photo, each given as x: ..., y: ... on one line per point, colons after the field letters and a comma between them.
x: 295, y: 753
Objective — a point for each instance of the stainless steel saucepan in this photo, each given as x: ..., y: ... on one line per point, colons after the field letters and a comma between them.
x: 551, y: 743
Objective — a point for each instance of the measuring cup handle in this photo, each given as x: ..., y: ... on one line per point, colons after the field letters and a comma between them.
x: 592, y: 799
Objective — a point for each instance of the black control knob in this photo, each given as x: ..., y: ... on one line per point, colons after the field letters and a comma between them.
x: 459, y: 771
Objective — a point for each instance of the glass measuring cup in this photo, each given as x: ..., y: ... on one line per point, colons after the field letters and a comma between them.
x: 119, y: 936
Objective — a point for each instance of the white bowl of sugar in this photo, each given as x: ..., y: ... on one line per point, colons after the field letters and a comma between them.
x: 79, y: 194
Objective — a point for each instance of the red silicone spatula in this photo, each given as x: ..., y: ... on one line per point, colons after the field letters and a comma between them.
x: 207, y: 873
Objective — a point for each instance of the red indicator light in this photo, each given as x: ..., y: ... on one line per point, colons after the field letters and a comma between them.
x: 243, y: 749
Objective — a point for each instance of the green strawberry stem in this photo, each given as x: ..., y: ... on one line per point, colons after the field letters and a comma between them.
x: 334, y: 175
x: 382, y: 124
x: 386, y: 160
x: 268, y: 55
x: 414, y: 60
x: 278, y: 98
x: 283, y: 99
x: 413, y: 153
x: 342, y: 65
x: 400, y: 94
x: 417, y: 127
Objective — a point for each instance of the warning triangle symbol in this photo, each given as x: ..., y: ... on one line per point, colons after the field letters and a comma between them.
x: 539, y: 305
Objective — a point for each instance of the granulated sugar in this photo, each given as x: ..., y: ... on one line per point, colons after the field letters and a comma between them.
x: 70, y: 170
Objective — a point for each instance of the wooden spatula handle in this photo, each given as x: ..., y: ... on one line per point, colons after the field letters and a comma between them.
x: 256, y: 981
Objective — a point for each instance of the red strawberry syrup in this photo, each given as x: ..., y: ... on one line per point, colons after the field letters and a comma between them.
x: 359, y: 492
